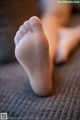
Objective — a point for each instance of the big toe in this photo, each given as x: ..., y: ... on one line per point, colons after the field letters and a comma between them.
x: 60, y: 59
x: 35, y: 24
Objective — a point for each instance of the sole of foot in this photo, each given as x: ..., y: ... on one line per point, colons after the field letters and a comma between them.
x: 32, y: 52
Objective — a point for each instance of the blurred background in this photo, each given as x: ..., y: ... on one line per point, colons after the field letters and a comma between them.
x: 12, y: 14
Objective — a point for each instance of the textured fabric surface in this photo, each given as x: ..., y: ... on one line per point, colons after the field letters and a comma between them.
x: 19, y: 101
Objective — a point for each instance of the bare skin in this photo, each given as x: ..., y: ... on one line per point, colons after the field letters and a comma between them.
x: 38, y: 46
x: 35, y: 53
x: 69, y: 39
x: 50, y: 25
x: 32, y: 52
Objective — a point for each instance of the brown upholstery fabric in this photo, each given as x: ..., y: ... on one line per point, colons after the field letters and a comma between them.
x: 12, y: 14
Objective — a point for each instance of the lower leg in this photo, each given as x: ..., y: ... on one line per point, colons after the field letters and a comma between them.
x: 54, y: 16
x: 52, y: 8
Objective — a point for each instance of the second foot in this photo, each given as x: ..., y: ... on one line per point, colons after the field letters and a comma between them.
x: 68, y: 39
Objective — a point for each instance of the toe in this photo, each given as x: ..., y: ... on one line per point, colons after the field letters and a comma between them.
x: 35, y: 24
x: 61, y: 56
x: 22, y: 29
x: 21, y: 32
x: 17, y: 38
x: 26, y: 26
x: 60, y: 59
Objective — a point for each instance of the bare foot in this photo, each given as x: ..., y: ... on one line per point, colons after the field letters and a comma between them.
x: 68, y: 39
x: 32, y: 52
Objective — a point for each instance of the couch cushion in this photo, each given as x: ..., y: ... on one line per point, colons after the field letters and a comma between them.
x: 12, y: 14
